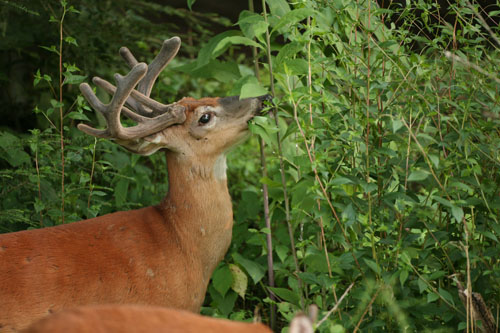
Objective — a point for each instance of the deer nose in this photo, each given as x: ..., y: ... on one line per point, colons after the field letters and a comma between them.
x: 265, y: 100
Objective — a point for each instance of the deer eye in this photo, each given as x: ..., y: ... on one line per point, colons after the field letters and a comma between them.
x: 204, y: 119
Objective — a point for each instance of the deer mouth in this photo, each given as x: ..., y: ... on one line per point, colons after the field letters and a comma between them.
x: 263, y: 102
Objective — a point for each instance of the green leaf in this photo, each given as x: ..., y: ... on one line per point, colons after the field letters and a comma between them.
x: 240, y: 280
x: 432, y: 297
x: 457, y: 212
x: 73, y: 79
x: 252, y: 24
x: 286, y: 295
x: 252, y: 89
x: 278, y: 7
x: 282, y: 252
x: 222, y: 279
x: 253, y: 269
x: 396, y: 125
x: 403, y: 276
x: 121, y: 188
x: 293, y: 17
x: 78, y: 116
x: 234, y: 40
x: 224, y: 304
x: 190, y: 4
x: 52, y: 49
x: 422, y: 285
x: 70, y: 40
x: 373, y: 265
x: 206, y: 53
x: 446, y: 295
x: 418, y: 175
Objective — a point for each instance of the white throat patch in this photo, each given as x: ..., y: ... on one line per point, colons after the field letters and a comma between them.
x: 220, y: 167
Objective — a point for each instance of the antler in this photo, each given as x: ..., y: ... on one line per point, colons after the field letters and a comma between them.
x: 151, y: 115
x: 167, y: 52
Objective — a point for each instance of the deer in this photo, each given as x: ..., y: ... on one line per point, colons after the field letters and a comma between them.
x: 162, y: 255
x: 146, y: 319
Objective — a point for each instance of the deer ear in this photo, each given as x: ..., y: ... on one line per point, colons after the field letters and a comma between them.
x: 164, y: 139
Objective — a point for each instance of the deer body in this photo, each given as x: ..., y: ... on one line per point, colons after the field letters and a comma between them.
x: 138, y: 319
x: 162, y: 255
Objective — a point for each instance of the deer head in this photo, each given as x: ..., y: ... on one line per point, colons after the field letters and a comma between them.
x: 203, y: 128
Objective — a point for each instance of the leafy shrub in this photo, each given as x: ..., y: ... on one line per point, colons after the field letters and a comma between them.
x: 381, y: 160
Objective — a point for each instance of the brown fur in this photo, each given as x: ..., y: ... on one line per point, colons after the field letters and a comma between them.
x: 137, y: 319
x: 162, y: 255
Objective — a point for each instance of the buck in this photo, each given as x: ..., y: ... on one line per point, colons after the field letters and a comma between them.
x: 161, y: 255
x: 135, y: 319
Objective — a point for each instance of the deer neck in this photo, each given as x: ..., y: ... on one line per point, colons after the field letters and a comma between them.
x: 199, y: 206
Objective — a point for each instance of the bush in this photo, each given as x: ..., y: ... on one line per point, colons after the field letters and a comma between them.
x: 381, y: 157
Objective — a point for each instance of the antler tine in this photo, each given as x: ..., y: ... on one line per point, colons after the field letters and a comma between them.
x: 138, y: 98
x: 170, y: 114
x: 167, y: 52
x: 111, y: 111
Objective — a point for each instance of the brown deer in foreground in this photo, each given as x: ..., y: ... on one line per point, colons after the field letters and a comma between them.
x: 162, y: 255
x: 148, y: 319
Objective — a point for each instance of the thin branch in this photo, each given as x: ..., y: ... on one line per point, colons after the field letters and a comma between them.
x: 265, y: 193
x: 336, y: 305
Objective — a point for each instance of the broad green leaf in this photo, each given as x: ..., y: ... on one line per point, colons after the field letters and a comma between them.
x: 222, y: 279
x: 403, y: 276
x: 52, y: 49
x: 224, y: 304
x: 234, y: 40
x: 190, y: 4
x: 418, y: 175
x: 70, y: 40
x: 240, y: 280
x: 252, y: 89
x: 373, y: 265
x: 286, y: 295
x: 446, y: 295
x: 282, y: 252
x: 432, y: 297
x: 121, y: 189
x: 206, y: 53
x: 396, y: 125
x: 78, y: 116
x: 288, y: 51
x: 295, y: 66
x: 293, y: 17
x: 252, y: 24
x: 422, y: 286
x: 490, y: 235
x: 266, y: 123
x: 458, y: 213
x: 255, y: 270
x: 278, y: 7
x: 73, y: 79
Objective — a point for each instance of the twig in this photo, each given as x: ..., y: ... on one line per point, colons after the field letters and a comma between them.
x: 483, y: 22
x: 467, y: 63
x: 332, y: 310
x: 61, y: 113
x: 367, y: 308
x: 91, y: 185
x: 265, y: 193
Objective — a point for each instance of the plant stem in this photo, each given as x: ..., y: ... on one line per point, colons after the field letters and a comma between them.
x: 265, y: 193
x: 280, y: 157
x: 91, y: 185
x: 38, y: 182
x: 61, y: 115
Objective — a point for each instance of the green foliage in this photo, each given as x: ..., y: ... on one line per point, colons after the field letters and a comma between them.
x: 391, y: 160
x: 388, y: 149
